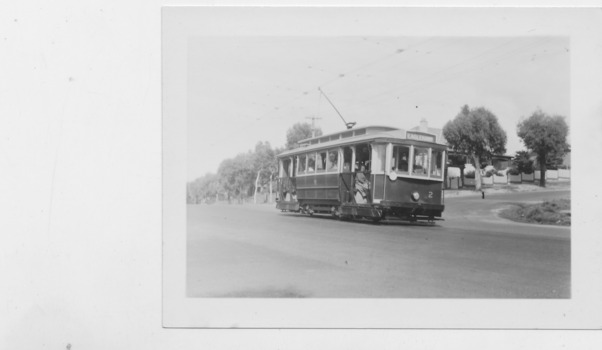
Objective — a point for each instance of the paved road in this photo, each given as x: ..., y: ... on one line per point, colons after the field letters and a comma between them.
x: 257, y: 251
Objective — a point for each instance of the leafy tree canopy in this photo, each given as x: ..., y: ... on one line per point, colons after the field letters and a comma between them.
x: 236, y: 174
x: 476, y: 132
x: 265, y: 161
x: 298, y: 132
x: 546, y: 136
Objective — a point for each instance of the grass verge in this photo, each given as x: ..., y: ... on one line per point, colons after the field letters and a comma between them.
x: 555, y: 212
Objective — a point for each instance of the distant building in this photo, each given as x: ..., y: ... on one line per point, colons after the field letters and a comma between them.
x: 424, y: 127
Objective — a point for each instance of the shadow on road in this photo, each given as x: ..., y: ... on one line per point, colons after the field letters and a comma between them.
x: 362, y: 221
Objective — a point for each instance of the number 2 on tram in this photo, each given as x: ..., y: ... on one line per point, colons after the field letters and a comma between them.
x: 374, y: 172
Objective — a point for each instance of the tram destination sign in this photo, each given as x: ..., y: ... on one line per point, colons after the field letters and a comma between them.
x: 420, y: 136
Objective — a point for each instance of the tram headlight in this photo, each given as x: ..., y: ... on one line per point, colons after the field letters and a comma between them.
x: 415, y: 196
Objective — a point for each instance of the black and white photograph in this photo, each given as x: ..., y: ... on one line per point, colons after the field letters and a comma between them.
x: 348, y: 167
x: 348, y: 160
x: 300, y: 175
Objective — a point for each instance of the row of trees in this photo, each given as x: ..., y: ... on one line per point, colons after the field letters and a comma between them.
x: 474, y: 132
x: 477, y: 133
x: 245, y: 174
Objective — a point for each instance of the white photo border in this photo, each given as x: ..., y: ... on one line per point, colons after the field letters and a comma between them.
x: 581, y: 25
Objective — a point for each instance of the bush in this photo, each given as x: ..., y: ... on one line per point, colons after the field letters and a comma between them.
x: 490, y: 172
x: 523, y: 163
x: 469, y: 174
x: 513, y: 171
x: 549, y: 212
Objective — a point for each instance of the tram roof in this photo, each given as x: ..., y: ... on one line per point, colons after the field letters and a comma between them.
x: 353, y: 136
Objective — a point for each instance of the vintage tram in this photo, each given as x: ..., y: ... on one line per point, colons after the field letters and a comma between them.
x: 373, y: 172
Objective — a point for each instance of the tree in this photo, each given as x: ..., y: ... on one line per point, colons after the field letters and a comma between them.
x: 523, y: 163
x: 236, y: 175
x: 265, y: 165
x: 477, y: 133
x: 546, y: 136
x: 298, y: 132
x: 204, y: 187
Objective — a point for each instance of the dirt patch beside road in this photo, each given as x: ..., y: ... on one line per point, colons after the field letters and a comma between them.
x: 555, y: 212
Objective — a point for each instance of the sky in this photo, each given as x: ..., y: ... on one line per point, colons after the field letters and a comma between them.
x: 246, y: 89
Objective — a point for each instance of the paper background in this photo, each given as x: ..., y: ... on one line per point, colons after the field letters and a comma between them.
x: 80, y: 184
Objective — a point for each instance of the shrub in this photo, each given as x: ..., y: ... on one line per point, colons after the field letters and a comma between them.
x: 513, y: 171
x: 469, y: 174
x: 539, y: 215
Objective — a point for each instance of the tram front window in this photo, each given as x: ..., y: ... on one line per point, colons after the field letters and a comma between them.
x: 436, y: 164
x: 399, y: 163
x: 421, y: 161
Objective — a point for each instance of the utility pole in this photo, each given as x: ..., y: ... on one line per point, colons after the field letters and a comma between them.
x: 313, y: 125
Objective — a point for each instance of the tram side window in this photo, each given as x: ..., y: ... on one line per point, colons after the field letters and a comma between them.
x: 362, y: 157
x: 286, y: 167
x: 421, y: 161
x: 311, y: 163
x: 332, y: 161
x: 436, y: 162
x: 321, y: 162
x: 302, y: 164
x: 347, y: 156
x: 401, y: 155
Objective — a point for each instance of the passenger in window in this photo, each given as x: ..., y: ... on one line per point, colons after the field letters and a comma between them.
x: 332, y: 162
x: 310, y: 166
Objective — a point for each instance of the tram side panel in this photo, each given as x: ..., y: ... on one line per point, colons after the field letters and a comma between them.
x: 319, y: 189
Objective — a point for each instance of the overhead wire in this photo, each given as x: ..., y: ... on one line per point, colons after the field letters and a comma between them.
x: 310, y: 91
x: 407, y: 89
x: 442, y: 71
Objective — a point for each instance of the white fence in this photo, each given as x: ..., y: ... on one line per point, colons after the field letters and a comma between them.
x: 563, y: 174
